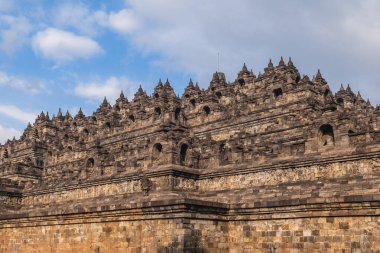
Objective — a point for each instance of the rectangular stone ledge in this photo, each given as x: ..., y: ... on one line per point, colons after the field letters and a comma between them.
x: 321, y: 160
x: 147, y: 206
x: 348, y: 210
x: 188, y: 209
x: 191, y: 212
x: 173, y: 170
x: 177, y: 171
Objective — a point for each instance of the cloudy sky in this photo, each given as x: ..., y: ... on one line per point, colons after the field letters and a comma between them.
x: 70, y: 54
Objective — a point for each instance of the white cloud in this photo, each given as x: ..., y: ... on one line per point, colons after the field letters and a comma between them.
x: 62, y: 46
x: 109, y: 88
x: 78, y: 16
x: 14, y: 112
x: 123, y: 21
x: 14, y: 33
x: 31, y: 86
x: 8, y: 133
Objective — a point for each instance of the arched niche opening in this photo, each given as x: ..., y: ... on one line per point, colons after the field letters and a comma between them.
x: 157, y: 112
x: 326, y: 135
x: 85, y: 132
x: 157, y: 150
x: 94, y: 119
x: 182, y: 154
x: 277, y: 92
x: 90, y: 163
x: 218, y: 94
x: 131, y: 118
x: 340, y: 101
x: 326, y: 93
x: 156, y: 95
x: 107, y: 125
x: 206, y: 110
x: 117, y: 108
x: 241, y: 82
x: 193, y: 102
x: 66, y: 137
x: 177, y: 113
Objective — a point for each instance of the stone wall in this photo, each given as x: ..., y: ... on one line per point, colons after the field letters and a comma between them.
x: 331, y: 234
x: 124, y: 236
x: 319, y: 234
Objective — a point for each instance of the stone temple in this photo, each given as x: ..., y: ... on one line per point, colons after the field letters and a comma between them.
x: 270, y: 163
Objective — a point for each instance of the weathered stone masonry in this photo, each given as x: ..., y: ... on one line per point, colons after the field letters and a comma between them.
x: 267, y: 163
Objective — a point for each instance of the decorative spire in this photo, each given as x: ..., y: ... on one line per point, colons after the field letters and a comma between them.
x: 121, y: 100
x: 319, y: 75
x: 290, y: 62
x: 79, y: 114
x: 244, y: 69
x: 168, y: 89
x: 105, y: 102
x: 197, y: 86
x: 59, y: 114
x: 341, y: 87
x: 122, y: 95
x: 318, y: 78
x: 281, y: 63
x: 167, y: 83
x: 348, y: 88
x: 190, y: 83
x: 159, y: 84
x: 270, y: 64
x: 68, y: 115
x: 140, y: 94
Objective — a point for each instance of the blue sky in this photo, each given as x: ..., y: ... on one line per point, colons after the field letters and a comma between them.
x: 70, y: 54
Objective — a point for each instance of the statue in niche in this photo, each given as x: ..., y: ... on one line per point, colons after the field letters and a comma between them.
x: 326, y: 135
x: 225, y: 153
x: 156, y: 153
x: 146, y: 185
